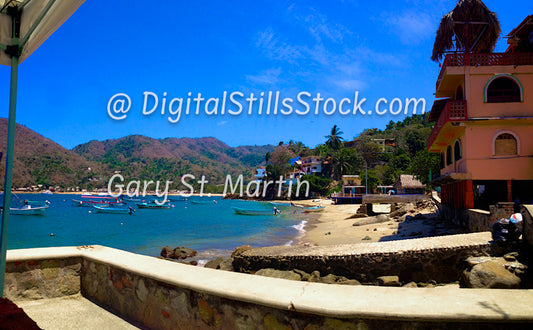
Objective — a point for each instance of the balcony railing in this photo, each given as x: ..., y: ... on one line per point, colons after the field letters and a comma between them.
x: 453, y: 111
x: 484, y: 59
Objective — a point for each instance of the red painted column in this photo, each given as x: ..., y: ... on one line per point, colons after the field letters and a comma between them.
x: 469, y: 194
x: 509, y: 191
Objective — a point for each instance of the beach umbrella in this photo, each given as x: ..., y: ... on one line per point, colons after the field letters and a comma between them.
x: 24, y: 26
x: 469, y: 27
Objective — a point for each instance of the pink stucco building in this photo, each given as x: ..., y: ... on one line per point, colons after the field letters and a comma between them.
x: 484, y: 124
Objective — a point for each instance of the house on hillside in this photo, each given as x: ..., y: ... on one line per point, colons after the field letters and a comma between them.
x: 385, y: 145
x: 311, y: 164
x: 408, y: 185
x: 261, y: 174
x: 483, y: 124
x: 351, y: 185
x: 352, y: 191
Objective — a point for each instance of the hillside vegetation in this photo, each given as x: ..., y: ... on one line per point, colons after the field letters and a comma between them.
x: 41, y: 162
x: 406, y: 154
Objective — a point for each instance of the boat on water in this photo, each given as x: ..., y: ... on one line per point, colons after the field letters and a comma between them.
x: 98, y: 200
x: 242, y: 211
x: 131, y: 200
x: 30, y: 208
x: 177, y: 199
x: 90, y: 203
x: 114, y: 210
x: 318, y: 208
x: 280, y: 203
x: 153, y: 205
x: 203, y: 202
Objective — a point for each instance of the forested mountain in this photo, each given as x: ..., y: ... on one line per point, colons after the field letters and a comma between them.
x: 145, y: 158
x: 38, y: 160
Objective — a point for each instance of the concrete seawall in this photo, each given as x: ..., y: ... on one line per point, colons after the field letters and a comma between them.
x: 161, y: 294
x: 420, y: 260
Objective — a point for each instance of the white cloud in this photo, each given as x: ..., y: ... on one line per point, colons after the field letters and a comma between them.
x: 266, y: 77
x: 268, y: 43
x: 418, y: 23
x: 326, y: 54
x: 350, y: 85
x: 321, y: 27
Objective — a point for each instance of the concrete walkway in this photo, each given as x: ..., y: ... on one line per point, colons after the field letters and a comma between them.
x: 414, y: 244
x: 71, y: 312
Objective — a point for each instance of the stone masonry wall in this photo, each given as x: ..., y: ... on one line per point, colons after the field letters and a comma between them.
x: 151, y: 303
x: 479, y: 220
x: 443, y: 265
x: 157, y: 305
x: 37, y: 279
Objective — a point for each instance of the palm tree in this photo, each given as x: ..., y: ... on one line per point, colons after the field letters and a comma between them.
x: 334, y: 139
x: 341, y: 164
x: 474, y: 26
x: 268, y: 155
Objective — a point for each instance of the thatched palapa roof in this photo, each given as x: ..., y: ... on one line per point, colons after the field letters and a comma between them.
x: 408, y: 181
x: 521, y: 37
x: 470, y: 27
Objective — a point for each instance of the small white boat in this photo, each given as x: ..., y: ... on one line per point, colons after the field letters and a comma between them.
x: 114, y: 210
x: 28, y: 209
x: 203, y: 202
x: 242, y: 211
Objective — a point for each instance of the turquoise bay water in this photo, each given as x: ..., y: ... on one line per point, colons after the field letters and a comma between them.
x: 212, y: 229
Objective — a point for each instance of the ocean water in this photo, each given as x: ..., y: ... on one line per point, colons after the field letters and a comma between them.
x: 212, y: 229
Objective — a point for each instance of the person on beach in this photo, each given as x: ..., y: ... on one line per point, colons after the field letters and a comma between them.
x: 505, y: 231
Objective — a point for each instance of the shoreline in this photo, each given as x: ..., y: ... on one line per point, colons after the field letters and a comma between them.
x: 334, y: 226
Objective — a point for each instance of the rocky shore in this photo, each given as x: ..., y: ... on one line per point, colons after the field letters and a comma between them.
x: 489, y: 267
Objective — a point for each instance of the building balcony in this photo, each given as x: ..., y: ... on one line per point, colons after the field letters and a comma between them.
x: 443, y: 112
x: 484, y: 59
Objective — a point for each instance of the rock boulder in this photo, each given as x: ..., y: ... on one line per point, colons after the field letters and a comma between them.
x: 240, y: 249
x: 493, y: 273
x: 389, y: 281
x: 183, y: 252
x: 167, y: 252
x: 284, y: 274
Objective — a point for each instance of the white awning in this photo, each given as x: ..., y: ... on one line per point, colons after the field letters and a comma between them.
x: 40, y: 18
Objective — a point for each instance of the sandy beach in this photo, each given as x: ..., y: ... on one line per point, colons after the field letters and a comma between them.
x: 334, y: 226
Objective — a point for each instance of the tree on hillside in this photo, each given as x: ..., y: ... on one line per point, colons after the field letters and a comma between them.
x: 334, y: 139
x: 423, y: 163
x: 416, y: 141
x: 268, y: 155
x: 373, y: 180
x: 470, y: 27
x: 281, y: 155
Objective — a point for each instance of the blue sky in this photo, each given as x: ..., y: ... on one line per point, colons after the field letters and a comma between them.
x: 380, y: 49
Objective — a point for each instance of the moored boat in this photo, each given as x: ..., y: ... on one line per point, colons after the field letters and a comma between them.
x: 30, y: 209
x: 282, y: 204
x: 203, y: 202
x: 317, y: 208
x: 98, y: 200
x: 242, y: 211
x: 153, y: 205
x: 114, y: 210
x: 27, y: 207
